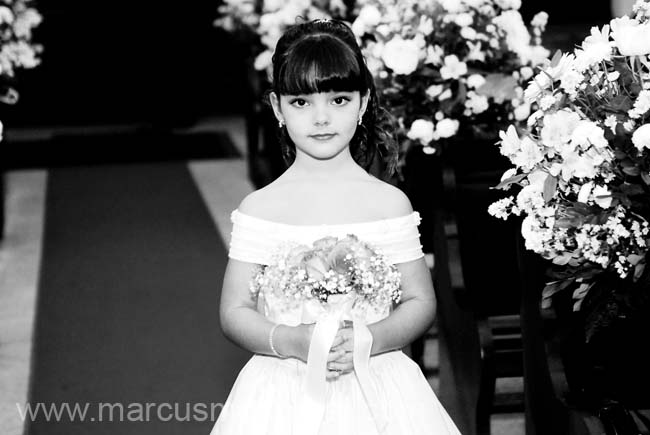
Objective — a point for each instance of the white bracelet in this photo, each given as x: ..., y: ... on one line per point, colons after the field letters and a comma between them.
x: 275, y: 352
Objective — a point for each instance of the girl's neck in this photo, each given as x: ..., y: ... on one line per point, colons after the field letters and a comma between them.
x: 340, y: 166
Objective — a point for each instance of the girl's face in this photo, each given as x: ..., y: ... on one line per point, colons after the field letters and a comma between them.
x: 320, y: 124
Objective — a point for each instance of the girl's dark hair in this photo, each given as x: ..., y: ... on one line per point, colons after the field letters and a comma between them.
x: 323, y: 56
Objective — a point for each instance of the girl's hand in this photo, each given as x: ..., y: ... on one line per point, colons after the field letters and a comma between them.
x: 340, y: 359
x: 298, y: 341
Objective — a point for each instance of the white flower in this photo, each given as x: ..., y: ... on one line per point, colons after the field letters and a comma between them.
x: 476, y: 103
x: 526, y: 72
x: 508, y: 4
x: 588, y: 133
x: 468, y: 33
x: 453, y: 68
x: 475, y: 81
x: 585, y: 191
x: 400, y: 55
x: 517, y: 36
x: 475, y: 51
x: 611, y: 123
x: 522, y: 111
x: 263, y: 60
x: 369, y: 15
x: 421, y: 130
x: 602, y: 196
x: 447, y: 127
x: 434, y: 55
x: 539, y: 20
x: 434, y: 90
x: 426, y: 25
x: 445, y: 95
x: 452, y: 6
x: 570, y: 81
x: 6, y: 15
x: 499, y: 209
x: 631, y: 37
x: 547, y: 102
x: 463, y: 20
x: 508, y: 174
x: 641, y: 105
x: 558, y: 128
x: 529, y: 155
x: 595, y: 48
x: 641, y: 137
x: 510, y: 142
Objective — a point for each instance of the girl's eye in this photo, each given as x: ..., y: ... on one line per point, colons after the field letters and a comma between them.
x: 339, y: 101
x: 298, y: 102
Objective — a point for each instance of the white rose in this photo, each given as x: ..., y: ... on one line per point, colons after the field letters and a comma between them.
x: 370, y: 15
x: 631, y: 37
x: 475, y: 81
x: 400, y: 55
x: 447, y: 127
x: 421, y: 130
x: 641, y: 137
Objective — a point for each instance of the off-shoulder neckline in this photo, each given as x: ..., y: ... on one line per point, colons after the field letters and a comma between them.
x: 412, y: 215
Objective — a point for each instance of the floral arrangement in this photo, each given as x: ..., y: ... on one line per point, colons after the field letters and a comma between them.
x: 328, y: 270
x: 262, y: 23
x: 583, y: 165
x: 450, y: 66
x: 17, y: 20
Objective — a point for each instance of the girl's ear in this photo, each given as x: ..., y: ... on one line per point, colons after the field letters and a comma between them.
x: 275, y: 104
x: 364, y: 103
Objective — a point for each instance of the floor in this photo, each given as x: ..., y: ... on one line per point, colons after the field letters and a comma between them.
x: 223, y: 183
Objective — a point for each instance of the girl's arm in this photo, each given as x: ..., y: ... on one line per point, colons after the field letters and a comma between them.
x: 413, y: 316
x: 246, y: 327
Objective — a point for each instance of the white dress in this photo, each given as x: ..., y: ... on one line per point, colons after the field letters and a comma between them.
x: 386, y: 394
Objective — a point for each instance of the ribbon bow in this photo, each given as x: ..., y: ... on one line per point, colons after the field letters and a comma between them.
x: 313, y: 398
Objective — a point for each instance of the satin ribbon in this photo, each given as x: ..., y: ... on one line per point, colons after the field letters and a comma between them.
x: 313, y: 399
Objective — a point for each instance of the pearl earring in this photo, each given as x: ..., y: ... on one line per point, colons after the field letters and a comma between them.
x: 360, y: 119
x: 280, y: 123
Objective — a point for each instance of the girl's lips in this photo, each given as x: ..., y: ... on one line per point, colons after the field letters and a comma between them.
x: 322, y: 136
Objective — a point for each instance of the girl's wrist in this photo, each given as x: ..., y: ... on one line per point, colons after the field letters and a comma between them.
x: 284, y: 341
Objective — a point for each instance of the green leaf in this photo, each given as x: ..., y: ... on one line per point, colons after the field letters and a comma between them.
x: 508, y: 181
x: 645, y: 176
x: 631, y: 170
x: 550, y: 185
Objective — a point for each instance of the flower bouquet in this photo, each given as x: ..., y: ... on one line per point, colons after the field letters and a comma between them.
x: 583, y: 166
x: 329, y: 272
x: 447, y: 67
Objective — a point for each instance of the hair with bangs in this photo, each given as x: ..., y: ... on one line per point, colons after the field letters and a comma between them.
x: 319, y: 62
x: 323, y: 56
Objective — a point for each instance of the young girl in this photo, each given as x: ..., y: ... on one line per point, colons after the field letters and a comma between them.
x: 315, y: 377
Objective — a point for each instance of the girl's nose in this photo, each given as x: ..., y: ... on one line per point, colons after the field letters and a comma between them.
x: 321, y: 116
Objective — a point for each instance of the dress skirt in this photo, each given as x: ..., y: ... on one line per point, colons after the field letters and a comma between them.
x: 266, y: 394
